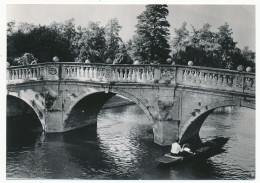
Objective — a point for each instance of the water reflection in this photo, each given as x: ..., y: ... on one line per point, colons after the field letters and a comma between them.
x: 121, y: 146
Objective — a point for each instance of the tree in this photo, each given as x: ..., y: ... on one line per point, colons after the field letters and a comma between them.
x: 207, y: 48
x: 199, y: 46
x: 67, y: 31
x: 112, y: 38
x: 122, y: 56
x: 228, y: 46
x: 10, y: 28
x: 91, y: 44
x: 25, y: 59
x: 43, y: 42
x: 151, y: 40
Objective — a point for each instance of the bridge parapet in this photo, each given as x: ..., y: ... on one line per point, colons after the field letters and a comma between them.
x: 220, y: 79
x: 203, y: 77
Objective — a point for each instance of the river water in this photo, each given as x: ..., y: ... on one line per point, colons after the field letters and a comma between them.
x: 121, y: 147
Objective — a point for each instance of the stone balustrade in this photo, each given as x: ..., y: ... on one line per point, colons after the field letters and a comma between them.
x: 213, y: 78
x: 204, y: 77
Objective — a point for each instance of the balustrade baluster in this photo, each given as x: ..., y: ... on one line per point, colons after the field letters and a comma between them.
x: 85, y: 72
x: 219, y: 82
x: 206, y: 78
x: 95, y: 73
x: 202, y: 78
x: 16, y: 74
x: 113, y: 74
x: 79, y: 72
x: 98, y: 73
x: 91, y: 72
x: 25, y: 73
x: 192, y: 77
x: 138, y: 74
x: 19, y: 74
x: 22, y: 74
x: 124, y: 74
x: 13, y: 74
x: 197, y: 77
x: 148, y: 75
x: 235, y: 82
x: 29, y: 73
x: 33, y: 73
x: 210, y: 79
x: 37, y: 72
x: 121, y: 74
x: 104, y: 73
x: 144, y: 76
x: 133, y: 78
x: 152, y: 74
x: 129, y: 77
x: 117, y: 74
x: 189, y: 78
x: 68, y: 72
x: 224, y: 83
x: 184, y: 76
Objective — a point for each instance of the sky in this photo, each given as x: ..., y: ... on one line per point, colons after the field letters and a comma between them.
x: 241, y: 18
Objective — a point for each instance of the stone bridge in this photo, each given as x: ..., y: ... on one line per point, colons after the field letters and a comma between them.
x: 175, y: 99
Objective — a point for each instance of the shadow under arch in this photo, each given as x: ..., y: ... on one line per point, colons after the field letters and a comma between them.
x: 86, y: 108
x: 189, y: 130
x: 18, y: 110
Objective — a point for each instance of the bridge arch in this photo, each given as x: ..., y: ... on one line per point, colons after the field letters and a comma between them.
x: 29, y: 104
x: 191, y: 127
x: 85, y: 108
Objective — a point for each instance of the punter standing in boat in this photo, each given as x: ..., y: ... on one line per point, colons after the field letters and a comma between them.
x: 176, y: 149
x: 180, y: 151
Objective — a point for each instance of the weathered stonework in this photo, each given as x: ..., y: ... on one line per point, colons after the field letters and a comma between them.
x: 175, y: 99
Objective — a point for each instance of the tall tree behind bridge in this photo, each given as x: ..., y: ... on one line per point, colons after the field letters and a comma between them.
x: 151, y: 39
x: 112, y: 38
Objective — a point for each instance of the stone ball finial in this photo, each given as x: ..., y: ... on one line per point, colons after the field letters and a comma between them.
x: 108, y: 61
x: 190, y: 63
x: 240, y: 68
x: 7, y: 64
x: 249, y: 69
x: 55, y: 59
x: 169, y: 61
x: 136, y: 62
x: 87, y: 61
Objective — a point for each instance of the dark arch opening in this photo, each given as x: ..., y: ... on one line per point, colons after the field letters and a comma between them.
x: 20, y: 116
x: 192, y: 132
x: 86, y: 110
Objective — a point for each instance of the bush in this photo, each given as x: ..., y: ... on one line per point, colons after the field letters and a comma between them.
x: 26, y: 59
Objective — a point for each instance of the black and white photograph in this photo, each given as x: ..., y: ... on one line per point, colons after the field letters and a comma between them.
x: 120, y: 91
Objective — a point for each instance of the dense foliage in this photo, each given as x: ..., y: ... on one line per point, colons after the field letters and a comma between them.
x: 151, y: 39
x: 207, y: 48
x: 29, y: 43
